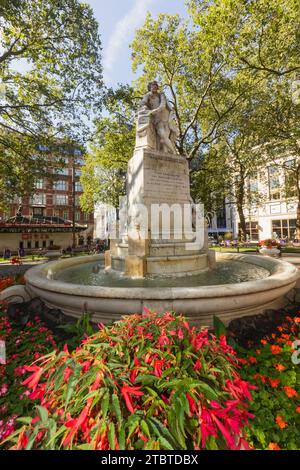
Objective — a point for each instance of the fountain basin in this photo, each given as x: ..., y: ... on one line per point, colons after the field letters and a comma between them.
x: 199, y: 304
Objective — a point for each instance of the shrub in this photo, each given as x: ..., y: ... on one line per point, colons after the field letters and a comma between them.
x: 276, y: 402
x: 146, y: 382
x: 8, y: 281
x: 23, y: 345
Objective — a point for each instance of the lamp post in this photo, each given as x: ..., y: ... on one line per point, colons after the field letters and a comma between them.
x: 73, y: 201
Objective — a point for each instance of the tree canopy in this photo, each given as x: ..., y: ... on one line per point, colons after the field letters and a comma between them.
x: 50, y: 78
x: 104, y: 174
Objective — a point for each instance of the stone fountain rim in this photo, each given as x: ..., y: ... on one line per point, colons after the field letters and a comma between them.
x: 283, y: 273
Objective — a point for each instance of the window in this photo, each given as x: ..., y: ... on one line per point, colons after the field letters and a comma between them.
x: 61, y: 185
x: 221, y: 217
x: 274, y: 183
x: 77, y: 152
x: 61, y: 199
x: 44, y: 243
x: 66, y: 215
x: 77, y: 200
x: 63, y: 171
x: 253, y: 189
x: 290, y: 178
x: 77, y: 216
x: 38, y: 199
x: 29, y: 244
x: 284, y: 228
x: 39, y: 184
x: 43, y: 148
x: 36, y: 244
x: 78, y: 172
x: 78, y: 187
x: 38, y: 211
x: 251, y: 230
x: 86, y: 216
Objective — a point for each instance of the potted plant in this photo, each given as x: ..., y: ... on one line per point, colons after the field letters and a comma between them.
x: 269, y: 247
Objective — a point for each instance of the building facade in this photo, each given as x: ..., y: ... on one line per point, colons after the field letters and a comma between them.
x: 271, y: 208
x: 55, y: 204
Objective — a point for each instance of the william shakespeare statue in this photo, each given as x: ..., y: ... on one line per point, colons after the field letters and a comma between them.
x: 156, y: 122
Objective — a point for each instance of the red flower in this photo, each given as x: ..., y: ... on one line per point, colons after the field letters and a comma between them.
x: 274, y: 446
x: 163, y: 339
x: 158, y: 367
x: 22, y: 441
x: 274, y: 382
x: 279, y: 367
x: 281, y: 423
x: 297, y: 409
x: 192, y: 404
x: 290, y: 392
x: 275, y: 349
x: 252, y: 360
x: 33, y: 379
x: 180, y: 334
x: 197, y: 365
x: 127, y: 391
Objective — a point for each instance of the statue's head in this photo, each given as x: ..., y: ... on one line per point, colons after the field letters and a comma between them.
x: 153, y: 86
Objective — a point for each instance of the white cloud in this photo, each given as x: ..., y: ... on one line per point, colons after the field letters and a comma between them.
x: 123, y: 34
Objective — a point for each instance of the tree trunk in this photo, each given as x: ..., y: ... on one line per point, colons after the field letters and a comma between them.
x: 297, y: 231
x: 240, y: 196
x: 242, y: 220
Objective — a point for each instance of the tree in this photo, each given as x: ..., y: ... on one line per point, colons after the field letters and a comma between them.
x: 195, y: 71
x: 220, y: 71
x: 262, y: 35
x: 51, y: 76
x: 279, y: 128
x: 104, y: 174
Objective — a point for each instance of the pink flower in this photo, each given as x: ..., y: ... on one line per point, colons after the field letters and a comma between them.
x: 3, y: 390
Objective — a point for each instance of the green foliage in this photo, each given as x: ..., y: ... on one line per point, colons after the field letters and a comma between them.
x: 23, y: 344
x: 230, y: 74
x: 50, y: 75
x: 103, y: 176
x: 146, y: 382
x: 276, y: 402
x: 79, y: 329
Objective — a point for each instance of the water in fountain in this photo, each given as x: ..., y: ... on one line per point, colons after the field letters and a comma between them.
x: 225, y: 272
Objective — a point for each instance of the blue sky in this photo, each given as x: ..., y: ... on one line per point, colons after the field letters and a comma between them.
x: 118, y: 20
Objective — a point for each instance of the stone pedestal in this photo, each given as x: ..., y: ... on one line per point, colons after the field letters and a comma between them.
x: 160, y: 238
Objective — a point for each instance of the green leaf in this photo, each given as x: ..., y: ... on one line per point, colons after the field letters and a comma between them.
x: 105, y: 404
x: 73, y: 380
x: 121, y: 439
x: 160, y: 430
x: 219, y: 327
x: 165, y: 444
x: 111, y: 436
x: 116, y: 407
x: 43, y: 413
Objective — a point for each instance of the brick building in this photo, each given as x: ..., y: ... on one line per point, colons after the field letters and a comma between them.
x: 55, y: 204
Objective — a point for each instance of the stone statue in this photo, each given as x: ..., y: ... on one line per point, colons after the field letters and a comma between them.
x: 156, y: 123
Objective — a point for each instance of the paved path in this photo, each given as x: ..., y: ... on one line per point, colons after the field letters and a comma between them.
x: 7, y: 269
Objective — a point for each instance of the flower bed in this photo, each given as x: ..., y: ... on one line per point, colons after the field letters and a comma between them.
x: 23, y: 346
x: 274, y: 367
x: 146, y: 382
x: 8, y: 281
x: 150, y: 382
